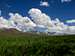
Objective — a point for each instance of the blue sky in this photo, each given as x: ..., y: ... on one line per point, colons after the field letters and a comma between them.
x: 57, y: 9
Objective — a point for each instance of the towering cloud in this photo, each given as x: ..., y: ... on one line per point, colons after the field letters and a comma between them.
x: 40, y: 18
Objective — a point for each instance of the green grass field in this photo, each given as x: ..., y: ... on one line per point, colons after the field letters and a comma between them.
x: 27, y: 44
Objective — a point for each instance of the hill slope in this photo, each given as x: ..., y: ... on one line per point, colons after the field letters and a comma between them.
x: 14, y: 43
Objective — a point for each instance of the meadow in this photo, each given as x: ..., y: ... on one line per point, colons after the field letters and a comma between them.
x: 30, y: 44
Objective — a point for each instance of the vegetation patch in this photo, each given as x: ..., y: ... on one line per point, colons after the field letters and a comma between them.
x: 27, y: 44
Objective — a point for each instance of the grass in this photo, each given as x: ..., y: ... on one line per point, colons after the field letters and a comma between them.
x: 27, y: 44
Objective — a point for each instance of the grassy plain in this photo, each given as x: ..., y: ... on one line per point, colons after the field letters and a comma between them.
x: 13, y: 43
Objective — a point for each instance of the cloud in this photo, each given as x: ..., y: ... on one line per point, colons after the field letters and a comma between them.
x: 22, y: 23
x: 65, y: 1
x: 0, y: 12
x: 45, y: 4
x: 70, y: 30
x: 5, y: 23
x: 38, y: 22
x: 40, y: 18
x: 70, y: 21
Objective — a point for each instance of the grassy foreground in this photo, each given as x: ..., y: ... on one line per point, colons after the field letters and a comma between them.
x: 25, y: 44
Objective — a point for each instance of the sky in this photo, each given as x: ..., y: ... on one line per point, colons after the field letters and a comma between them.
x: 62, y: 9
x: 38, y: 15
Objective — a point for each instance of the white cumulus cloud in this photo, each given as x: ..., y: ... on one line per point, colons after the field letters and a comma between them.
x: 39, y: 22
x: 40, y: 18
x: 22, y: 23
x: 5, y: 23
